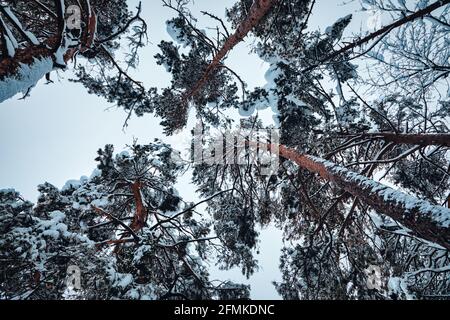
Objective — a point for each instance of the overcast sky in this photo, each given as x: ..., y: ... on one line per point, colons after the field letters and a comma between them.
x: 54, y: 134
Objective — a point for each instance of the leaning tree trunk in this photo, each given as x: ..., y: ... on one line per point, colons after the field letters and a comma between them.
x: 424, y: 220
x: 359, y: 42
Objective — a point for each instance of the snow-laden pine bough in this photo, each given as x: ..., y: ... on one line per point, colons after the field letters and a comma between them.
x: 257, y: 12
x: 421, y: 218
x: 126, y: 228
x: 418, y: 139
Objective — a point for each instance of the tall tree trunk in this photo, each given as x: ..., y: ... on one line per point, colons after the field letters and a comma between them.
x: 425, y: 220
x: 421, y: 139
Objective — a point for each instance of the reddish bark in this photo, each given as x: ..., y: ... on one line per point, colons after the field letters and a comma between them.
x: 417, y: 15
x: 36, y: 278
x: 117, y: 243
x: 9, y: 66
x: 87, y: 38
x: 425, y: 220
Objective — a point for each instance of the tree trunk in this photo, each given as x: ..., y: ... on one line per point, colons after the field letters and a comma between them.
x: 425, y: 139
x: 258, y: 10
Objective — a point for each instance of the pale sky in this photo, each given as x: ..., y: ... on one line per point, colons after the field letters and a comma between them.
x: 54, y: 134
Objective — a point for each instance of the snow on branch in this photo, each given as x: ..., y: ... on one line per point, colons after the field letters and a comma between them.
x: 26, y: 66
x: 25, y: 78
x: 27, y: 35
x: 257, y: 12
